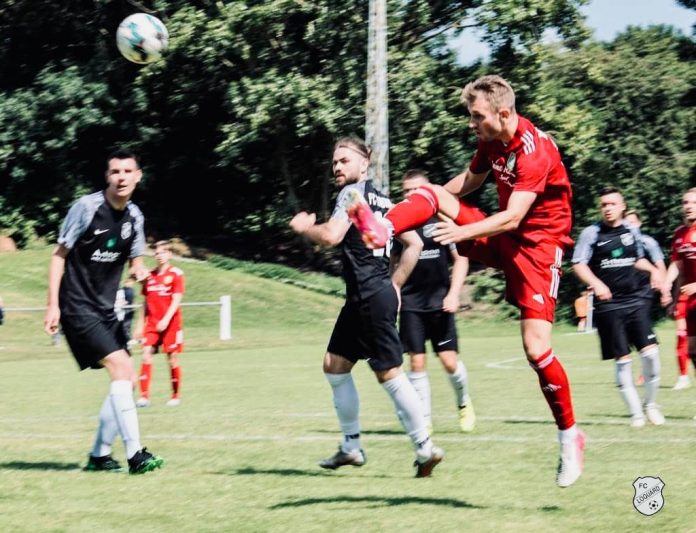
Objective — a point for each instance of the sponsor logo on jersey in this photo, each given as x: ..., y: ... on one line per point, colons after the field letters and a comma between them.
x: 111, y: 242
x: 126, y: 230
x: 501, y: 172
x: 104, y: 257
x: 617, y: 263
x: 648, y: 498
x: 602, y: 243
x: 538, y: 298
x: 617, y: 252
x: 430, y: 254
x: 100, y: 231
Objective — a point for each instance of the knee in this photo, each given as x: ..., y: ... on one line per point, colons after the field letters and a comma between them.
x: 417, y: 362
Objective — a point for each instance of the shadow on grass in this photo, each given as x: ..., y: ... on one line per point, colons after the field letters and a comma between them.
x: 380, y: 501
x: 251, y: 471
x: 43, y: 465
x: 394, y: 431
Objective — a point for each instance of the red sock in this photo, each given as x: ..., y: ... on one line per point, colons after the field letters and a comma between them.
x: 176, y: 381
x: 145, y: 378
x: 682, y: 352
x: 554, y: 384
x: 415, y: 211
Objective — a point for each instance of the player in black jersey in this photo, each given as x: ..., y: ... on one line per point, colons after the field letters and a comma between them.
x: 101, y: 233
x: 366, y: 325
x: 429, y: 301
x: 609, y: 258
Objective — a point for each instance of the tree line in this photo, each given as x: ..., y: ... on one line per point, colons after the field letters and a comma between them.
x: 235, y: 126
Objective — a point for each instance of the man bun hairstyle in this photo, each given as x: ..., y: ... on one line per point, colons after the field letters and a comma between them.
x: 354, y: 143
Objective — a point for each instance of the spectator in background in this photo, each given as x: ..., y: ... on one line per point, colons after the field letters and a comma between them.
x: 581, y: 306
x: 2, y: 312
x: 123, y: 307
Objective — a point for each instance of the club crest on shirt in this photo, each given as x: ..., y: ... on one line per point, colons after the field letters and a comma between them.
x: 510, y: 165
x: 126, y: 230
x: 168, y: 279
x: 627, y: 239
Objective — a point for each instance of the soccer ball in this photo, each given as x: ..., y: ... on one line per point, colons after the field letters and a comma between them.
x: 141, y: 38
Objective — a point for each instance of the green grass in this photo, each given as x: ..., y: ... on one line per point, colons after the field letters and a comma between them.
x: 256, y: 416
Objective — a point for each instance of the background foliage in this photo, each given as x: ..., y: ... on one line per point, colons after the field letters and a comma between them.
x: 236, y: 125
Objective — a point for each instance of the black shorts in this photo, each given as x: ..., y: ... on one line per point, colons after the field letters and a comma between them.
x: 622, y: 328
x: 416, y: 327
x: 367, y: 330
x: 92, y: 338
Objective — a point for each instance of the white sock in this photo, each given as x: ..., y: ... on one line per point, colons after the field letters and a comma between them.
x: 650, y: 363
x: 125, y: 415
x: 460, y: 383
x: 410, y: 411
x: 421, y: 383
x: 106, y: 432
x: 567, y: 436
x: 347, y: 405
x: 624, y: 380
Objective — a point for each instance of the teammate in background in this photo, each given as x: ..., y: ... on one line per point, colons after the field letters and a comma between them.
x: 608, y: 257
x: 581, y: 304
x: 366, y: 325
x: 163, y: 290
x: 2, y: 312
x: 102, y: 232
x: 429, y: 301
x: 653, y: 253
x: 525, y: 239
x: 124, y: 310
x: 682, y: 269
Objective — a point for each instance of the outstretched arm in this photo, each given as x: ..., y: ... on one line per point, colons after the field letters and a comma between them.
x: 465, y: 183
x: 330, y: 233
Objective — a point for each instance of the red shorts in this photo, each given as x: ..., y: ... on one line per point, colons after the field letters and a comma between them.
x: 171, y: 340
x: 690, y: 315
x: 680, y: 307
x: 532, y: 270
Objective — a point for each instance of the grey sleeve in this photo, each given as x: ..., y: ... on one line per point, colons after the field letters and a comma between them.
x: 76, y: 222
x: 339, y: 211
x: 138, y: 244
x: 584, y: 246
x: 652, y: 249
x: 638, y: 236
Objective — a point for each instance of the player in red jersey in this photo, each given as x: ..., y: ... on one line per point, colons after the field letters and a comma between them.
x: 526, y: 238
x: 683, y: 270
x: 163, y: 291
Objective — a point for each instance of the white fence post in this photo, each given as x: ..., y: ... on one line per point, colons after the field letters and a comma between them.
x: 225, y: 317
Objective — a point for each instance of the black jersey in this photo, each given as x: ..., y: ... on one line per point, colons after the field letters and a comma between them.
x: 611, y: 254
x: 365, y: 271
x: 429, y: 282
x: 653, y: 253
x: 100, y: 239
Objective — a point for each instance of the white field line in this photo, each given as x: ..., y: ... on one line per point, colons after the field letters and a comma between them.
x: 457, y: 439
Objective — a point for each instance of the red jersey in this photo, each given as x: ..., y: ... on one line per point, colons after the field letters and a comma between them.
x: 684, y: 250
x: 158, y: 290
x: 530, y: 162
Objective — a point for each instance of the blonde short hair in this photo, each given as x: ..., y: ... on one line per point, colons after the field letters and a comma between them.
x: 493, y: 88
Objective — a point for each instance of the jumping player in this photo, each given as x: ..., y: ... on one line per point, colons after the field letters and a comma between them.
x: 366, y: 325
x: 526, y: 238
x: 102, y: 232
x: 163, y: 290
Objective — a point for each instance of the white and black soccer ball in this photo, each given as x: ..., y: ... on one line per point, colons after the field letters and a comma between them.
x: 142, y: 38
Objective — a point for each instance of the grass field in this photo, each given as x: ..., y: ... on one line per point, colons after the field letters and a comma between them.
x: 256, y: 416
